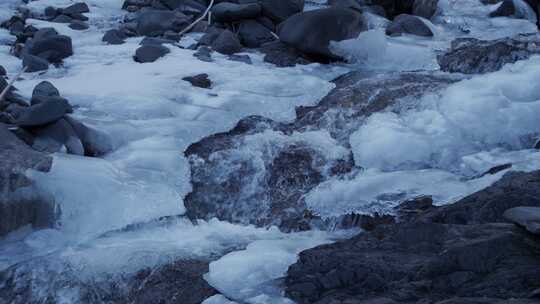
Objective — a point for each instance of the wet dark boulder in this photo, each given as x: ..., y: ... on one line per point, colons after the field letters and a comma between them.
x: 54, y: 137
x: 95, y: 143
x: 157, y: 22
x: 393, y: 8
x: 227, y: 43
x: 42, y: 90
x: 311, y: 32
x: 514, y: 189
x: 252, y: 34
x: 199, y: 81
x: 76, y: 8
x: 150, y: 53
x: 78, y: 25
x: 408, y: 24
x: 415, y: 262
x: 473, y: 56
x: 230, y: 12
x: 425, y: 8
x: 49, y: 110
x: 114, y: 37
x: 282, y: 55
x: 49, y: 46
x: 34, y: 63
x: 281, y: 10
x: 20, y: 202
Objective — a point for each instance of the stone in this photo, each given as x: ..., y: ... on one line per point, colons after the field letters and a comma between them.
x: 48, y: 111
x: 408, y: 24
x: 34, y: 63
x: 200, y: 81
x: 528, y: 217
x: 280, y: 10
x: 114, y: 37
x: 311, y: 32
x: 252, y: 34
x: 231, y: 12
x: 44, y: 88
x: 62, y: 19
x: 157, y: 22
x: 78, y: 25
x: 282, y: 55
x: 53, y: 137
x: 227, y: 43
x: 95, y: 143
x: 53, y: 48
x: 76, y: 8
x: 150, y: 53
x: 425, y: 8
x: 241, y: 58
x: 204, y: 54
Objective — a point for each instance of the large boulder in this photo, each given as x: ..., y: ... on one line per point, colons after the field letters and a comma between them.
x: 49, y: 46
x: 425, y: 8
x: 408, y: 24
x: 473, y: 56
x: 157, y: 22
x: 227, y: 43
x: 311, y: 32
x: 280, y: 10
x: 48, y: 111
x: 253, y: 34
x: 528, y: 217
x: 230, y: 12
x: 150, y: 53
x: 20, y: 202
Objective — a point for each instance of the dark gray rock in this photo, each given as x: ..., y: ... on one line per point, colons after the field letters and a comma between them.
x: 49, y: 110
x: 62, y: 19
x: 20, y: 203
x: 227, y: 43
x: 311, y: 32
x: 473, y: 56
x: 200, y: 81
x: 150, y: 53
x: 204, y: 54
x: 3, y: 71
x: 210, y: 35
x: 43, y: 88
x: 282, y: 55
x: 241, y: 58
x: 34, y: 63
x: 252, y: 34
x: 528, y: 217
x: 157, y: 22
x: 408, y: 24
x: 393, y: 8
x: 411, y: 262
x: 425, y: 8
x: 230, y: 12
x: 280, y: 10
x: 506, y: 9
x: 515, y: 189
x: 96, y: 143
x: 352, y: 4
x: 76, y: 8
x: 51, y: 47
x: 54, y: 137
x: 114, y: 37
x: 155, y: 41
x: 78, y: 25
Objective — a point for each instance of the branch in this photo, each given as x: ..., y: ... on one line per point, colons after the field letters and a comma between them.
x: 187, y: 29
x: 10, y: 84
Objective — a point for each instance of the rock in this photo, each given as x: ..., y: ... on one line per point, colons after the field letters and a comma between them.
x: 53, y: 137
x: 20, y: 203
x: 114, y: 37
x: 252, y: 34
x: 45, y: 112
x: 230, y: 12
x: 528, y: 217
x: 43, y: 88
x: 210, y: 36
x: 408, y: 24
x: 393, y: 8
x: 282, y: 55
x: 34, y: 63
x: 62, y: 19
x: 51, y: 47
x: 227, y: 43
x: 3, y: 71
x: 241, y: 58
x: 78, y: 25
x: 95, y: 143
x: 150, y: 53
x: 204, y: 54
x: 514, y: 189
x: 351, y: 4
x: 410, y: 262
x: 311, y: 32
x: 157, y: 22
x: 473, y: 56
x: 50, y: 12
x: 266, y: 184
x: 425, y: 8
x: 280, y: 10
x: 76, y: 8
x: 155, y: 41
x: 45, y: 32
x: 200, y: 81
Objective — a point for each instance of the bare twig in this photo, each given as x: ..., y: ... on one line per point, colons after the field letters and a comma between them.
x: 201, y: 18
x: 10, y: 84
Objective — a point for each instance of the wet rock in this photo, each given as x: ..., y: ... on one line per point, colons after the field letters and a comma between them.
x: 252, y: 34
x: 211, y: 34
x: 473, y: 56
x: 311, y: 32
x: 3, y: 71
x: 157, y: 22
x: 508, y: 8
x: 241, y: 58
x: 204, y: 54
x: 200, y: 81
x: 49, y: 110
x: 227, y: 43
x: 408, y: 24
x: 528, y: 217
x: 62, y: 19
x: 76, y: 8
x: 282, y: 55
x: 95, y: 143
x: 20, y: 203
x: 78, y: 25
x: 51, y: 47
x: 280, y: 10
x: 393, y: 8
x: 34, y: 63
x: 114, y: 37
x: 514, y: 189
x: 55, y: 136
x: 410, y: 262
x: 155, y: 41
x: 230, y: 12
x: 150, y: 53
x: 425, y: 8
x: 43, y: 89
x: 352, y: 4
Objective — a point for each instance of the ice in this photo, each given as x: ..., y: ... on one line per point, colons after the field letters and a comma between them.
x: 218, y: 299
x: 249, y: 276
x: 498, y: 110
